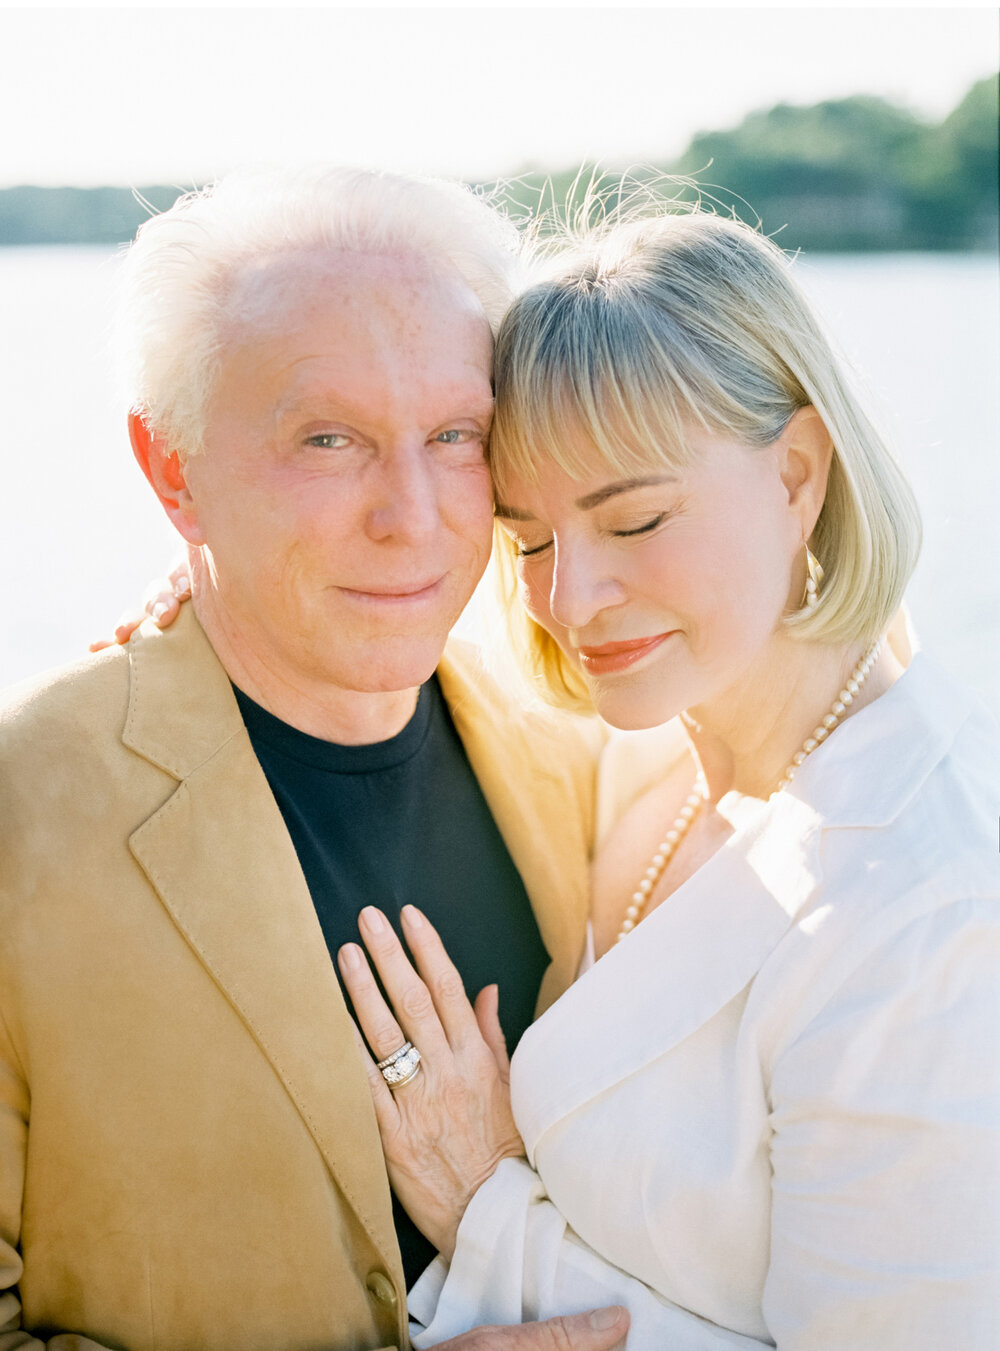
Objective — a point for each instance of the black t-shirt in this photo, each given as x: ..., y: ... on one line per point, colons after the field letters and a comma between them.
x: 404, y: 821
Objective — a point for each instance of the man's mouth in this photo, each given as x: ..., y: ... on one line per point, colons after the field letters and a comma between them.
x: 403, y: 594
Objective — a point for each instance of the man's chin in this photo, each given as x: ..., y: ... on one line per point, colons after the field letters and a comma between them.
x: 386, y: 665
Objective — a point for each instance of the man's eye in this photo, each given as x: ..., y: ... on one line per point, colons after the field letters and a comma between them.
x: 644, y: 528
x: 456, y: 436
x: 328, y: 440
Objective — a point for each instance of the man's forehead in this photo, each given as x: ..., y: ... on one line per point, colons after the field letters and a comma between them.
x: 357, y: 338
x: 271, y: 292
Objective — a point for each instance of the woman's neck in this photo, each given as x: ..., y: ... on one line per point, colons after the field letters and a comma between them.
x: 744, y: 739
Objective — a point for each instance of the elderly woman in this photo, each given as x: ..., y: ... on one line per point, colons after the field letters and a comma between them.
x: 766, y: 1112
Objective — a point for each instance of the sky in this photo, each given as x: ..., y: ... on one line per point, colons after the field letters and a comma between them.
x: 135, y: 95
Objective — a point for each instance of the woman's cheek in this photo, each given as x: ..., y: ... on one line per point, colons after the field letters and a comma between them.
x: 534, y: 595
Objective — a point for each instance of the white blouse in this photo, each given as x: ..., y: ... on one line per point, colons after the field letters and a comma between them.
x: 771, y: 1116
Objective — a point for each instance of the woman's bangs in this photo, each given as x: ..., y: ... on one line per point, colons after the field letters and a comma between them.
x: 587, y: 411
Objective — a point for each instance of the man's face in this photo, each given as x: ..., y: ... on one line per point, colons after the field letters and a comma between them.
x: 343, y: 496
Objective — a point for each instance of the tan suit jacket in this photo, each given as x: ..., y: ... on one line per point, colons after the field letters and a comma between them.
x: 188, y: 1154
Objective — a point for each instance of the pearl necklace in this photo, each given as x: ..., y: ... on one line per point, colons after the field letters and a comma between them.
x: 694, y: 801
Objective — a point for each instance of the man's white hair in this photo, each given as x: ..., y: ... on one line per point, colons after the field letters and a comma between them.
x: 180, y: 275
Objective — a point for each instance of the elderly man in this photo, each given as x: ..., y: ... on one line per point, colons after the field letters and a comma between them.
x: 189, y: 827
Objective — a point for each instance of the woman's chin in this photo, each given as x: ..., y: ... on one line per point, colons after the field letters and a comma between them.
x: 633, y: 711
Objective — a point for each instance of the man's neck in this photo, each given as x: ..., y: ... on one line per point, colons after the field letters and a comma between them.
x: 321, y: 709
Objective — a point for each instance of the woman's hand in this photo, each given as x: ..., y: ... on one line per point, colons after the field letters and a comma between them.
x: 445, y: 1131
x: 163, y: 605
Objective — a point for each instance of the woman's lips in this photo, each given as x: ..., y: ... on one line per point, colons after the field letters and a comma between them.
x: 609, y: 658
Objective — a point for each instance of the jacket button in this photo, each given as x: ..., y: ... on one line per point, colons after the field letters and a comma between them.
x: 381, y: 1289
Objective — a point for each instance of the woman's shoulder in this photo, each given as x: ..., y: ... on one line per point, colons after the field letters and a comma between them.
x: 907, y: 879
x: 915, y: 774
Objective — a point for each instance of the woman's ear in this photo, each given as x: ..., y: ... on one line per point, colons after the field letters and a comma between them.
x: 805, y: 452
x: 164, y: 469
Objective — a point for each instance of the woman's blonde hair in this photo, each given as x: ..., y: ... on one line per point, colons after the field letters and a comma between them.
x: 648, y: 326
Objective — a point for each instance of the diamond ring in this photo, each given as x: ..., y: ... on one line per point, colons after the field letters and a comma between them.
x: 400, y: 1067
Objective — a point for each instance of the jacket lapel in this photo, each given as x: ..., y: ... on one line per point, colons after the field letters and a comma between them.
x: 220, y: 859
x: 707, y: 941
x: 691, y: 956
x: 537, y: 780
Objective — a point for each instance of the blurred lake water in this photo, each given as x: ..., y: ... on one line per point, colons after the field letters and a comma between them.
x: 82, y: 533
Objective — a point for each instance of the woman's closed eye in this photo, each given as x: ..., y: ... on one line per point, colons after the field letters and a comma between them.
x: 524, y: 545
x: 643, y: 529
x: 529, y: 551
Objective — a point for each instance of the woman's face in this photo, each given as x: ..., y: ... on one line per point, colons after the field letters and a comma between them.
x: 665, y: 589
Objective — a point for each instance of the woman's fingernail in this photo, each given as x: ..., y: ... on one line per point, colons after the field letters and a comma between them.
x: 159, y: 610
x: 412, y: 916
x: 603, y: 1319
x: 373, y: 919
x: 182, y: 587
x: 350, y: 956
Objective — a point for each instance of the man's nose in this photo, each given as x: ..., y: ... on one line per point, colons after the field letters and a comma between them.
x: 406, y: 505
x: 581, y: 586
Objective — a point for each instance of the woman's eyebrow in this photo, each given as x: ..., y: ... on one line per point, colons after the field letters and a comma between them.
x: 593, y: 499
x: 628, y: 485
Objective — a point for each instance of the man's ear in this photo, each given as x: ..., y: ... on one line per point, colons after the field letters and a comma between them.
x: 164, y: 469
x: 806, y: 450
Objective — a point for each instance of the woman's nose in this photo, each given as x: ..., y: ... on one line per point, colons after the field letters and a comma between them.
x: 581, y: 587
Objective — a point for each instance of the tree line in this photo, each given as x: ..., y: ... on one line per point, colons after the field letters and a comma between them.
x: 856, y: 174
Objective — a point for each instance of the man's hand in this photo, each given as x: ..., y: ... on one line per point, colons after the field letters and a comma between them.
x: 601, y: 1330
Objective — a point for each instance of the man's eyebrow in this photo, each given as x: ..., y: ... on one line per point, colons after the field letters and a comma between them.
x: 306, y: 403
x: 322, y: 401
x: 593, y: 499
